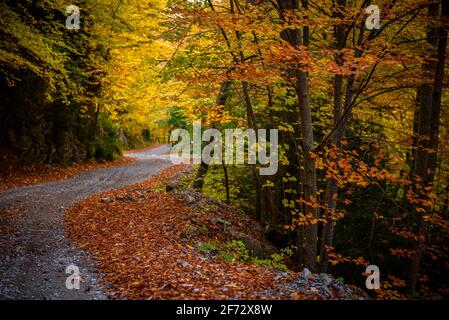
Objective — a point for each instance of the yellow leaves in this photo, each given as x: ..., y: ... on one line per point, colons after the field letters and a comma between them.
x: 130, y: 93
x: 286, y: 127
x: 401, y: 232
x: 288, y: 203
x: 284, y: 161
x: 268, y: 183
x: 288, y: 178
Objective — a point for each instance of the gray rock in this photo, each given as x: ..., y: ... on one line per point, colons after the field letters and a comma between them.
x: 219, y: 221
x: 183, y: 263
x: 306, y: 273
x: 190, y: 199
x: 255, y: 247
x: 326, y: 279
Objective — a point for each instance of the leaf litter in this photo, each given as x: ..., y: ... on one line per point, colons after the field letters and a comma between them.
x: 146, y: 241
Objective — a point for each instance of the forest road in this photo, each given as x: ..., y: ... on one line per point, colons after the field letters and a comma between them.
x: 34, y: 249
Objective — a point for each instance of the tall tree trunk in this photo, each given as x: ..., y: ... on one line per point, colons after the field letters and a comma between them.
x: 309, y: 173
x: 327, y: 235
x: 271, y: 209
x: 428, y: 131
x: 301, y: 39
x: 341, y: 118
x: 438, y: 85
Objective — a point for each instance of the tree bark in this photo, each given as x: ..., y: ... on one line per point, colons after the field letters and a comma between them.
x: 327, y: 235
x: 299, y: 40
x: 427, y: 133
x: 226, y: 182
x: 198, y: 183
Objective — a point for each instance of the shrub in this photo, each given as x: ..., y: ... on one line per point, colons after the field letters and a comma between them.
x: 107, y: 143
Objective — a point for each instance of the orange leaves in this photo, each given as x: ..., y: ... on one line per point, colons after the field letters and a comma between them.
x: 20, y: 174
x: 146, y: 240
x: 401, y: 252
x: 336, y: 258
x: 390, y: 289
x: 360, y: 261
x: 347, y: 167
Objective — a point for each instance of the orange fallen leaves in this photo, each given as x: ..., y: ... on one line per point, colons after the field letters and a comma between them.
x: 145, y: 241
x: 15, y: 173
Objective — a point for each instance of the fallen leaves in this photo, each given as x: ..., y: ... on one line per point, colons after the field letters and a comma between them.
x: 15, y: 173
x: 147, y: 242
x: 145, y: 249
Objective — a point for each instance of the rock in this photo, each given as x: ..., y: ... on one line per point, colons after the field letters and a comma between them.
x: 106, y: 199
x: 195, y: 290
x: 190, y: 199
x: 255, y: 247
x: 183, y: 263
x: 322, y: 286
x: 128, y: 197
x: 306, y: 273
x: 326, y: 279
x: 281, y: 275
x: 219, y: 221
x: 327, y: 292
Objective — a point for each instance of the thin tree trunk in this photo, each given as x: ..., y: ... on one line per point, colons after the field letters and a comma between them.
x: 309, y: 183
x: 309, y: 174
x: 198, y: 183
x: 327, y: 236
x: 341, y: 118
x: 226, y: 181
x: 95, y: 129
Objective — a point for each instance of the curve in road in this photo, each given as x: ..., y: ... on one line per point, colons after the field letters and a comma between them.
x: 35, y: 252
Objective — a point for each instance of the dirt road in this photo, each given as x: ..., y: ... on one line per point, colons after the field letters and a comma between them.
x: 34, y: 250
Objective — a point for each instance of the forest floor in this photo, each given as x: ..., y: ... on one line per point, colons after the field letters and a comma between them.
x: 159, y: 239
x: 135, y: 234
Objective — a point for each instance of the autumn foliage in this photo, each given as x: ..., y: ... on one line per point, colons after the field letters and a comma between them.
x: 362, y: 115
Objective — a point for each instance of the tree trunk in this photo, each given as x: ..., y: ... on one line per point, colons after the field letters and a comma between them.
x: 309, y: 173
x: 198, y: 183
x: 427, y: 134
x: 297, y: 39
x: 327, y: 236
x: 226, y: 181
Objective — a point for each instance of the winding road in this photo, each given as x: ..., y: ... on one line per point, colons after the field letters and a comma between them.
x: 35, y: 252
